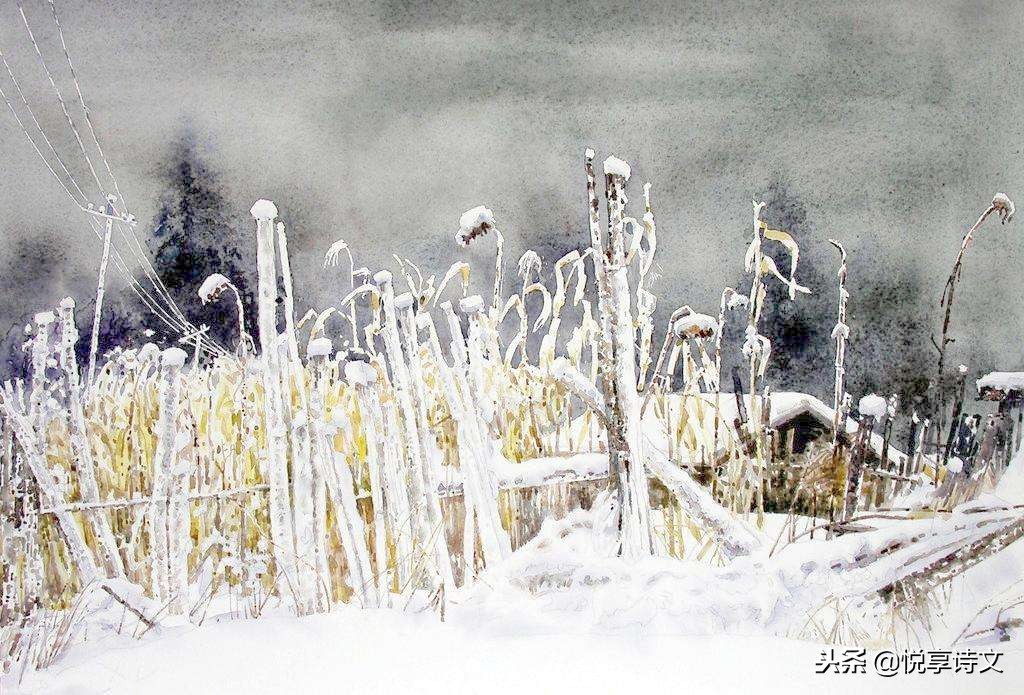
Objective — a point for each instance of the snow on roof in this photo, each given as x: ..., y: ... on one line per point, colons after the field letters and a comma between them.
x: 785, y: 406
x: 1003, y: 381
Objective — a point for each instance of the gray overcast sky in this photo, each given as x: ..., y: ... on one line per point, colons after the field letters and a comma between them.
x: 890, y: 124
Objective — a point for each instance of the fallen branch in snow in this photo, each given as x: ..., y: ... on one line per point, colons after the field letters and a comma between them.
x: 962, y: 557
x: 698, y: 503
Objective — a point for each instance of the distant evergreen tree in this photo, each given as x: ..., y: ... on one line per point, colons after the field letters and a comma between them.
x: 195, y: 233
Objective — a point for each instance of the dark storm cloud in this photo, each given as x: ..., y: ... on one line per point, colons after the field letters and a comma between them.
x: 891, y: 124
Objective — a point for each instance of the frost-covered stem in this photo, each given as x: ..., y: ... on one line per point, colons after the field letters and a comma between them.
x: 1005, y: 208
x: 646, y: 301
x: 35, y: 455
x: 474, y: 448
x: 335, y: 472
x: 573, y: 381
x: 320, y: 525
x: 727, y: 294
x: 208, y: 291
x: 855, y: 473
x: 309, y: 547
x: 352, y: 307
x: 275, y: 451
x: 396, y: 490
x: 527, y: 266
x: 243, y: 336
x: 757, y: 356
x: 179, y: 536
x: 80, y: 445
x: 430, y: 539
x: 660, y: 377
x: 370, y: 417
x: 499, y: 243
x: 645, y: 311
x: 405, y: 307
x: 840, y: 335
x: 29, y: 428
x: 164, y: 460
x: 604, y: 355
x: 94, y: 342
x: 635, y: 534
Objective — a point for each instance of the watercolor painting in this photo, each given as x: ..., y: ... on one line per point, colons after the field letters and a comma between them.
x: 480, y: 347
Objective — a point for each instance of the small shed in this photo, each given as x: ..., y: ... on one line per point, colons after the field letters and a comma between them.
x: 1005, y: 388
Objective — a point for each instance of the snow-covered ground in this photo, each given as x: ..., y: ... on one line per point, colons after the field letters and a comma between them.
x: 382, y: 651
x: 561, y: 615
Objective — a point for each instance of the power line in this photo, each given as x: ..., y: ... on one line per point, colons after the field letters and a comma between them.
x: 170, y: 314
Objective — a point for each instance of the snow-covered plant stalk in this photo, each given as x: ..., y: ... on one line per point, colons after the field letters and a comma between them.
x: 33, y: 448
x: 621, y: 470
x: 331, y: 259
x: 165, y: 580
x: 840, y: 334
x: 625, y: 437
x: 405, y: 308
x: 427, y: 528
x: 731, y: 300
x: 478, y: 222
x: 82, y: 448
x: 475, y: 447
x: 362, y: 377
x: 29, y: 423
x: 552, y: 312
x: 660, y: 379
x: 333, y: 470
x: 401, y: 518
x: 1004, y: 207
x: 756, y: 347
x: 529, y: 267
x: 309, y: 546
x: 646, y: 301
x: 212, y: 287
x: 275, y: 449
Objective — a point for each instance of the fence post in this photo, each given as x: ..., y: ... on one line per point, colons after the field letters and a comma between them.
x: 276, y: 433
x: 169, y: 587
